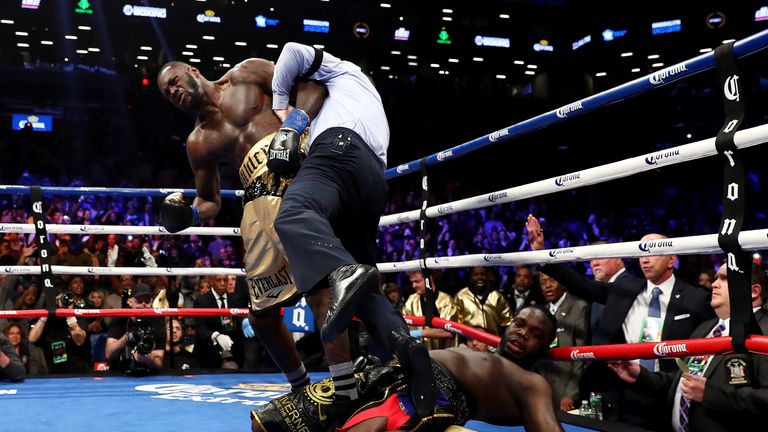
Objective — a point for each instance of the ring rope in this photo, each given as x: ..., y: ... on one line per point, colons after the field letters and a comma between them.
x: 133, y: 271
x: 118, y: 229
x: 700, y: 244
x: 87, y: 313
x: 652, y: 350
x: 105, y: 191
x: 650, y: 161
x: 599, y: 174
x: 703, y: 62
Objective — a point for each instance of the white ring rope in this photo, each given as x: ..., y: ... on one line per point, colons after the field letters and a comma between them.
x: 700, y: 244
x: 118, y: 229
x: 627, y: 167
x: 134, y: 271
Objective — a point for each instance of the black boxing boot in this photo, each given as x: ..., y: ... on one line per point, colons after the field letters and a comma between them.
x: 414, y: 357
x: 348, y: 285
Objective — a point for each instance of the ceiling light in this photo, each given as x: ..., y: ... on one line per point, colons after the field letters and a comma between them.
x: 601, y: 74
x: 94, y: 50
x: 653, y: 56
x: 635, y: 70
x: 226, y: 65
x: 412, y: 64
x: 6, y: 21
x: 218, y: 58
x: 447, y: 19
x: 503, y: 16
x: 729, y: 41
x: 532, y: 66
x: 318, y: 46
x: 82, y: 51
x: 705, y: 50
x: 656, y: 65
x: 70, y: 37
x: 434, y: 65
x: 190, y: 46
x: 412, y: 57
x: 208, y: 37
x: 46, y: 42
x: 385, y: 68
x: 385, y: 5
x: 477, y: 59
x: 518, y: 62
x: 145, y: 48
x: 447, y: 10
x: 194, y: 60
x: 21, y: 33
x: 501, y: 76
x: 272, y: 46
x: 142, y: 57
x: 238, y: 43
x: 187, y: 53
x: 627, y: 54
x: 22, y: 45
x: 530, y: 73
x: 395, y: 53
x: 83, y: 28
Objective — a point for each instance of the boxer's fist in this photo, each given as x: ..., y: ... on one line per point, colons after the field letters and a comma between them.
x: 283, y: 157
x: 176, y: 215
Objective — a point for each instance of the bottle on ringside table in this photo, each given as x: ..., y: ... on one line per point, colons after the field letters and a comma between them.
x: 596, y: 400
x: 585, y: 410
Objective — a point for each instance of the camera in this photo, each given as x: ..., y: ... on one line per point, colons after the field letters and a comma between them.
x: 142, y: 339
x: 67, y: 299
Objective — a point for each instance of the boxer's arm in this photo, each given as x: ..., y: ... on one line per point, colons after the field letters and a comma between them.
x: 207, y: 181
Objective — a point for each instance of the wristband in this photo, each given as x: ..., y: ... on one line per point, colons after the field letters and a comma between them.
x: 195, y: 215
x: 297, y: 120
x: 417, y: 333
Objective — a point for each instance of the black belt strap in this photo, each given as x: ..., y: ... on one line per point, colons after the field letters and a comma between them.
x: 43, y: 249
x: 739, y: 262
x: 316, y: 62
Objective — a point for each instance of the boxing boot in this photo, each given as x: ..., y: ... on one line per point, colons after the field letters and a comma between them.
x: 414, y: 357
x: 348, y: 284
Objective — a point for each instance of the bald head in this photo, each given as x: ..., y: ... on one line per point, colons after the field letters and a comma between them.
x: 181, y: 84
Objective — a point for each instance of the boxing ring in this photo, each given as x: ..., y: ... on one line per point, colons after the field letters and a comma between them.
x: 223, y: 400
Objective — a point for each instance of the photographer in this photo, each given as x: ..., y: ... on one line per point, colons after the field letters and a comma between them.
x: 63, y: 340
x: 135, y: 345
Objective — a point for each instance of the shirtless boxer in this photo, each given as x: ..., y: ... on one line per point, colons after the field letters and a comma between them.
x: 494, y: 388
x: 235, y: 124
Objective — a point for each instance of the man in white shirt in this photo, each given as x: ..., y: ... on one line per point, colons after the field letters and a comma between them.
x: 328, y: 219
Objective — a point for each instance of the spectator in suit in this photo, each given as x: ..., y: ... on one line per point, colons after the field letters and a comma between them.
x: 446, y: 308
x: 220, y: 340
x: 659, y: 307
x: 524, y: 292
x: 604, y: 270
x: 572, y: 315
x: 726, y: 392
x: 480, y: 305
